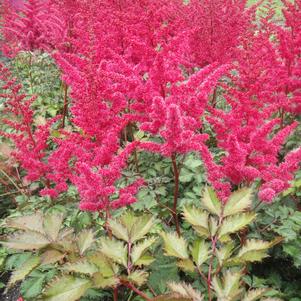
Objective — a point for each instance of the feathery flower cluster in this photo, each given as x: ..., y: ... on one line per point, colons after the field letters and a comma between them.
x: 155, y: 65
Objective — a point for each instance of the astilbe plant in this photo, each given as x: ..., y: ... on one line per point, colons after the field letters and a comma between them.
x: 31, y: 141
x: 126, y: 72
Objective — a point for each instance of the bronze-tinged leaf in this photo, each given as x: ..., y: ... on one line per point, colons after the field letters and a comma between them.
x: 26, y: 241
x: 211, y: 202
x: 51, y: 256
x: 33, y: 222
x: 66, y: 288
x: 85, y: 240
x: 52, y: 225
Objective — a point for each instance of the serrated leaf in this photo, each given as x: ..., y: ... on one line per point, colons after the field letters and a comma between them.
x: 255, y: 250
x: 32, y: 222
x: 51, y: 256
x: 85, y: 240
x: 235, y: 223
x: 52, y: 225
x: 174, y: 245
x: 145, y: 260
x: 211, y: 202
x: 238, y: 201
x: 26, y: 241
x: 114, y: 249
x: 141, y: 227
x: 186, y: 265
x: 81, y: 267
x: 198, y: 218
x: 185, y: 290
x: 253, y: 295
x: 24, y: 270
x: 119, y: 230
x: 224, y: 253
x: 229, y: 287
x: 67, y: 288
x: 139, y: 277
x: 213, y: 225
x: 139, y: 249
x: 105, y: 265
x: 99, y: 281
x: 200, y: 252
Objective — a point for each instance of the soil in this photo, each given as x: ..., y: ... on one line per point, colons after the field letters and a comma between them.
x: 13, y: 294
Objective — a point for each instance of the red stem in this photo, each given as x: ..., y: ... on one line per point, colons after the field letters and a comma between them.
x: 65, y: 110
x: 176, y: 194
x: 136, y: 290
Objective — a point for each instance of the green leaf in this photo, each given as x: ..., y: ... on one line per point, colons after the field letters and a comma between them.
x: 99, y: 281
x: 235, y: 223
x: 141, y: 227
x: 139, y: 249
x: 229, y: 287
x: 105, y: 265
x: 114, y: 249
x: 32, y: 222
x: 51, y: 256
x: 186, y: 265
x: 174, y: 245
x: 198, y: 218
x: 211, y: 202
x: 52, y: 225
x: 24, y: 270
x: 239, y: 201
x: 32, y: 287
x: 119, y: 230
x: 224, y: 253
x: 255, y: 250
x: 26, y: 241
x: 200, y: 252
x: 85, y: 240
x: 139, y: 277
x: 145, y: 260
x: 255, y: 294
x: 66, y: 288
x: 81, y: 267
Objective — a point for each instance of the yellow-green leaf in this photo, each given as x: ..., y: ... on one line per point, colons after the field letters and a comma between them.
x: 52, y: 225
x: 198, y: 218
x: 114, y: 249
x: 99, y: 281
x: 200, y: 252
x: 85, y: 240
x: 211, y: 202
x: 254, y: 294
x: 186, y: 265
x: 67, y: 288
x: 239, y: 201
x: 139, y: 277
x: 141, y: 227
x: 139, y: 249
x: 104, y: 264
x: 80, y: 267
x: 235, y: 223
x: 119, y: 230
x: 174, y: 245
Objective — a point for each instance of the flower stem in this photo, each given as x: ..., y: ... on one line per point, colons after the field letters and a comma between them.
x: 176, y: 194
